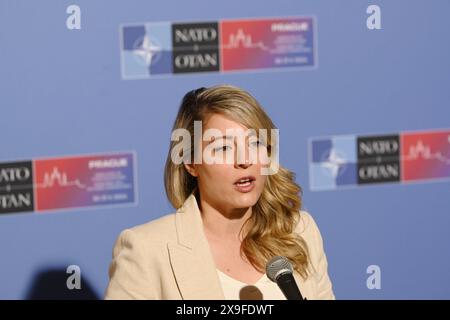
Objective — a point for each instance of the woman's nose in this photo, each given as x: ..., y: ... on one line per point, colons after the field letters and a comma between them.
x: 242, y: 160
x: 244, y: 165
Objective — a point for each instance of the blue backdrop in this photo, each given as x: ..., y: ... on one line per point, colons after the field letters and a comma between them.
x: 62, y: 94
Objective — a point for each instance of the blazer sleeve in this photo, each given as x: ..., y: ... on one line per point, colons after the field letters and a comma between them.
x: 128, y: 271
x: 319, y: 260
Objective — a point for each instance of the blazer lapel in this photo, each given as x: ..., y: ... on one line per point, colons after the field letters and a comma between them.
x: 191, y: 260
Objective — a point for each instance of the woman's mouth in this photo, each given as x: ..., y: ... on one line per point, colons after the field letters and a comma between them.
x: 245, y: 184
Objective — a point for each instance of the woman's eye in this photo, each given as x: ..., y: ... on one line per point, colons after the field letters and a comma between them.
x: 222, y: 148
x: 257, y: 143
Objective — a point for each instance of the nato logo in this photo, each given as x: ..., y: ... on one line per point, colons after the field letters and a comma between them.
x: 146, y: 50
x: 16, y: 187
x: 333, y: 163
x: 195, y: 47
x: 378, y: 159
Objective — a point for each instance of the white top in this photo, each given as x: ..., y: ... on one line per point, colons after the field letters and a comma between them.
x: 263, y: 289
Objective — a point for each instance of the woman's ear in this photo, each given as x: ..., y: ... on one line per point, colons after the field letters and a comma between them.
x: 191, y: 169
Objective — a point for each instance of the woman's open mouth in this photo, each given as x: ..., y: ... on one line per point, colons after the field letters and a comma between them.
x: 245, y: 184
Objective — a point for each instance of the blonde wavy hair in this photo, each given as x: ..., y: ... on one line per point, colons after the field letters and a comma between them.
x: 270, y: 229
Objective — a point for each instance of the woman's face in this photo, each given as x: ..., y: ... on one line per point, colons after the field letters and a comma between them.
x: 229, y: 184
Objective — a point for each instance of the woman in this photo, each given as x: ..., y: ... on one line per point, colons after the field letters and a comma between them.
x: 232, y: 217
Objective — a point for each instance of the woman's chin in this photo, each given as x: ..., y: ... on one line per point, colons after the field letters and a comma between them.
x: 245, y: 200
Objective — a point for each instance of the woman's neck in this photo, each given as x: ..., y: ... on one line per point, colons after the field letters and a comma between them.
x: 223, y: 223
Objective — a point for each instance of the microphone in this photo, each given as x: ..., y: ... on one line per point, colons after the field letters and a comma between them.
x: 279, y: 270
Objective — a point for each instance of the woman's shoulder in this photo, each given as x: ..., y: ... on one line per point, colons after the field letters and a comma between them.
x: 308, y: 229
x: 160, y: 230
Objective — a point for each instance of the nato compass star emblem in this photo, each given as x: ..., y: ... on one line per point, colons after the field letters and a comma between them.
x: 147, y: 50
x: 333, y: 162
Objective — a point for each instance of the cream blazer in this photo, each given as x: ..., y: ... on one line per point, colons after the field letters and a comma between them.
x: 170, y: 258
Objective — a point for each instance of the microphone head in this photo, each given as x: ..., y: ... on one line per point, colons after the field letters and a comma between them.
x: 276, y: 266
